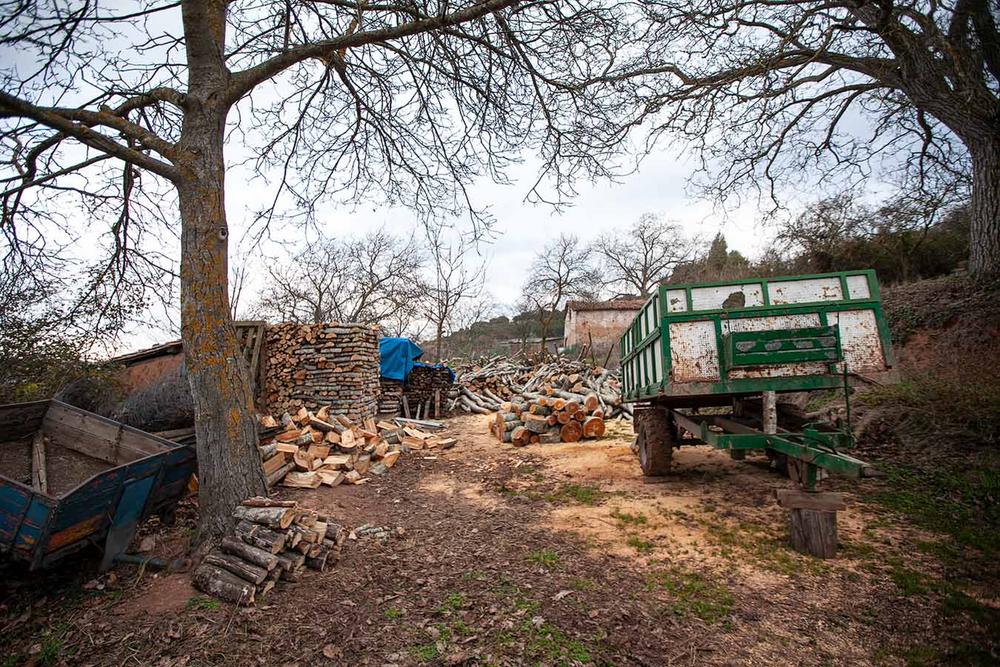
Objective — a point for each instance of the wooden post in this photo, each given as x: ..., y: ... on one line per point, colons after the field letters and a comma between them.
x: 39, y: 475
x: 769, y: 404
x: 812, y: 521
x: 406, y: 407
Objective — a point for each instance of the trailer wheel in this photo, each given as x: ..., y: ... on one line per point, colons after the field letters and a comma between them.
x: 655, y: 435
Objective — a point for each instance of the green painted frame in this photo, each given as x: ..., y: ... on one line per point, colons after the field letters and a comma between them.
x: 638, y: 337
x: 812, y: 446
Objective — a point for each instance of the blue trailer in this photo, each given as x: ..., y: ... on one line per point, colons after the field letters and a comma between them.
x: 70, y: 479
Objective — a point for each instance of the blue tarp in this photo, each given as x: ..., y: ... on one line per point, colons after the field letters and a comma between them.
x: 397, y: 356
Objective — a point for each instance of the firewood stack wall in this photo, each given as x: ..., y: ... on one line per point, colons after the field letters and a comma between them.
x: 421, y: 384
x: 313, y: 365
x: 390, y: 398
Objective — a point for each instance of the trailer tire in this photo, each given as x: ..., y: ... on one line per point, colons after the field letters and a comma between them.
x: 656, y: 441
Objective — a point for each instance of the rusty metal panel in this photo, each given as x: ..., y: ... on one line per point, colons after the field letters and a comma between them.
x: 769, y: 324
x: 676, y: 300
x: 860, y: 341
x: 858, y: 287
x: 727, y: 296
x: 693, y: 351
x: 805, y: 291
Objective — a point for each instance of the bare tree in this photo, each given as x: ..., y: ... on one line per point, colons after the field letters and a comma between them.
x: 121, y: 108
x: 636, y: 260
x: 562, y: 270
x: 369, y: 280
x: 453, y: 284
x: 769, y: 91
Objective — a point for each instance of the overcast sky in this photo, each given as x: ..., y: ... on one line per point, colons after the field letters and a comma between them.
x: 659, y: 186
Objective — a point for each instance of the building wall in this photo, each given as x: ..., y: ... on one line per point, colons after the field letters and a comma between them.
x: 605, y: 327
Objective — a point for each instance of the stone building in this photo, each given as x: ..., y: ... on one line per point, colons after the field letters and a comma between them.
x: 600, y: 323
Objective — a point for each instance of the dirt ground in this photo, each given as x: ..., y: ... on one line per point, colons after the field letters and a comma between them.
x: 543, y: 555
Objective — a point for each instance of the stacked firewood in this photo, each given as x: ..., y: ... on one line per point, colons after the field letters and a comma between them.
x: 314, y: 448
x: 390, y: 397
x: 426, y: 391
x: 322, y: 364
x: 484, y: 388
x: 273, y: 540
x: 549, y: 419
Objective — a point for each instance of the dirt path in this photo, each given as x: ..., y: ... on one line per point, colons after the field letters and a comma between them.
x: 549, y: 555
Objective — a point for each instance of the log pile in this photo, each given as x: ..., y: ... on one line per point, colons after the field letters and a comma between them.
x: 559, y: 417
x: 322, y: 364
x: 273, y: 540
x: 426, y: 390
x: 314, y: 448
x: 390, y: 397
x: 483, y: 388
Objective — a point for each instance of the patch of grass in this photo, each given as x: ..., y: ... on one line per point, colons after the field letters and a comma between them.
x: 462, y: 629
x: 693, y: 594
x: 199, y: 602
x: 627, y: 519
x: 960, y: 502
x: 639, y: 544
x: 910, y: 582
x: 542, y: 643
x: 452, y: 604
x: 769, y: 552
x: 581, y: 584
x: 549, y: 644
x: 584, y: 494
x: 547, y: 558
x: 393, y: 614
x: 431, y: 649
x: 425, y: 652
x: 51, y: 651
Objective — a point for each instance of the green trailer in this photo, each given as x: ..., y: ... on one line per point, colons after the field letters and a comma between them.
x: 707, y: 363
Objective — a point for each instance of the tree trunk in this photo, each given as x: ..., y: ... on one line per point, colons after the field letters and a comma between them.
x: 229, y: 469
x: 984, y: 236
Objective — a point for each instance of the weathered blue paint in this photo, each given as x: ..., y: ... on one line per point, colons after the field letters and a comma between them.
x: 103, y: 510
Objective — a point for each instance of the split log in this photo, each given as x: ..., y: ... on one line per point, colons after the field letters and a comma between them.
x: 279, y: 474
x: 290, y: 560
x: 260, y: 501
x: 264, y: 559
x: 273, y: 464
x: 242, y: 569
x: 272, y: 517
x: 223, y: 584
x: 259, y: 537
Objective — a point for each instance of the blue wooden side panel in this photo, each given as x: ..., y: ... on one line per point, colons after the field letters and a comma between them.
x: 31, y: 532
x: 179, y: 465
x: 14, y: 500
x: 85, y: 512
